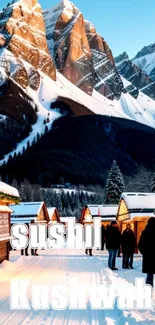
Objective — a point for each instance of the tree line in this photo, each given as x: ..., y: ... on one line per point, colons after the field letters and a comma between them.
x: 68, y: 203
x: 71, y: 203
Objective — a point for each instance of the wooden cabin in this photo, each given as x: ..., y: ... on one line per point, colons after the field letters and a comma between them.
x: 107, y: 213
x: 136, y: 208
x: 28, y: 212
x: 8, y: 195
x: 54, y: 215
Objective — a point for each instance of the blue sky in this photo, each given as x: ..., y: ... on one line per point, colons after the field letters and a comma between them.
x: 126, y: 25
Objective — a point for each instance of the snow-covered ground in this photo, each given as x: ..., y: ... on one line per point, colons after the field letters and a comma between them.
x: 58, y: 267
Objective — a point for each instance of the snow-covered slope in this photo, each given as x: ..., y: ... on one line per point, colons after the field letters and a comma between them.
x: 142, y: 109
x: 145, y: 59
x: 44, y: 113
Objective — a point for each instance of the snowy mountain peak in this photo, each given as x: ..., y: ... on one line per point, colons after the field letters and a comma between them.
x: 122, y: 57
x: 66, y: 2
x: 62, y: 6
x: 23, y: 3
x: 145, y: 59
x: 145, y: 50
x: 138, y: 79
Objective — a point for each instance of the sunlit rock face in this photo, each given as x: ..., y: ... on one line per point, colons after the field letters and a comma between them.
x: 22, y: 32
x: 79, y: 53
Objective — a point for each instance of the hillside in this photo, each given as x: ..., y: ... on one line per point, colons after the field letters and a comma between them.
x: 81, y: 149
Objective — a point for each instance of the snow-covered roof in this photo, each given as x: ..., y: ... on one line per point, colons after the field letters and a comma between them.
x: 94, y: 209
x: 139, y: 201
x: 7, y: 189
x: 4, y: 208
x: 134, y: 215
x: 103, y: 210
x: 26, y: 209
x: 109, y: 210
x: 21, y: 220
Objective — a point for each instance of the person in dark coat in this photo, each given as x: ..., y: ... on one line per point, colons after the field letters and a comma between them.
x: 146, y: 247
x: 128, y: 243
x: 102, y: 237
x: 88, y: 251
x: 34, y: 251
x: 113, y: 240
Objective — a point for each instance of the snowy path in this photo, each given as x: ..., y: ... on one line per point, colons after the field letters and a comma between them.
x: 53, y: 267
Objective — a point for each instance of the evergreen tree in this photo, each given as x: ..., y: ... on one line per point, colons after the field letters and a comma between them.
x: 28, y: 144
x: 28, y: 191
x: 38, y: 137
x: 6, y: 180
x: 141, y: 181
x: 72, y: 201
x: 69, y: 211
x: 36, y: 193
x: 114, y: 185
x: 15, y: 184
x: 83, y: 199
x: 23, y: 151
x: 42, y: 194
x: 54, y: 198
x: 46, y: 129
x: 64, y: 199
x: 68, y: 200
x: 78, y: 207
x: 22, y: 193
x: 64, y: 212
x: 153, y: 184
x: 59, y: 204
x: 48, y: 199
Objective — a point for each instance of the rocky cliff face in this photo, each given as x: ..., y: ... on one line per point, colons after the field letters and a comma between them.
x: 22, y: 33
x: 145, y: 60
x: 139, y: 80
x: 68, y: 44
x: 106, y: 81
x: 80, y: 54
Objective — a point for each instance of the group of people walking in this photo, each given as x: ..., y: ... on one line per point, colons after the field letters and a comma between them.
x: 127, y: 241
x: 114, y: 240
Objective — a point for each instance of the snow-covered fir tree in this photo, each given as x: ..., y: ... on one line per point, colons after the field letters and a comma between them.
x: 22, y: 193
x: 59, y: 204
x: 153, y: 184
x: 69, y: 211
x: 114, y: 185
